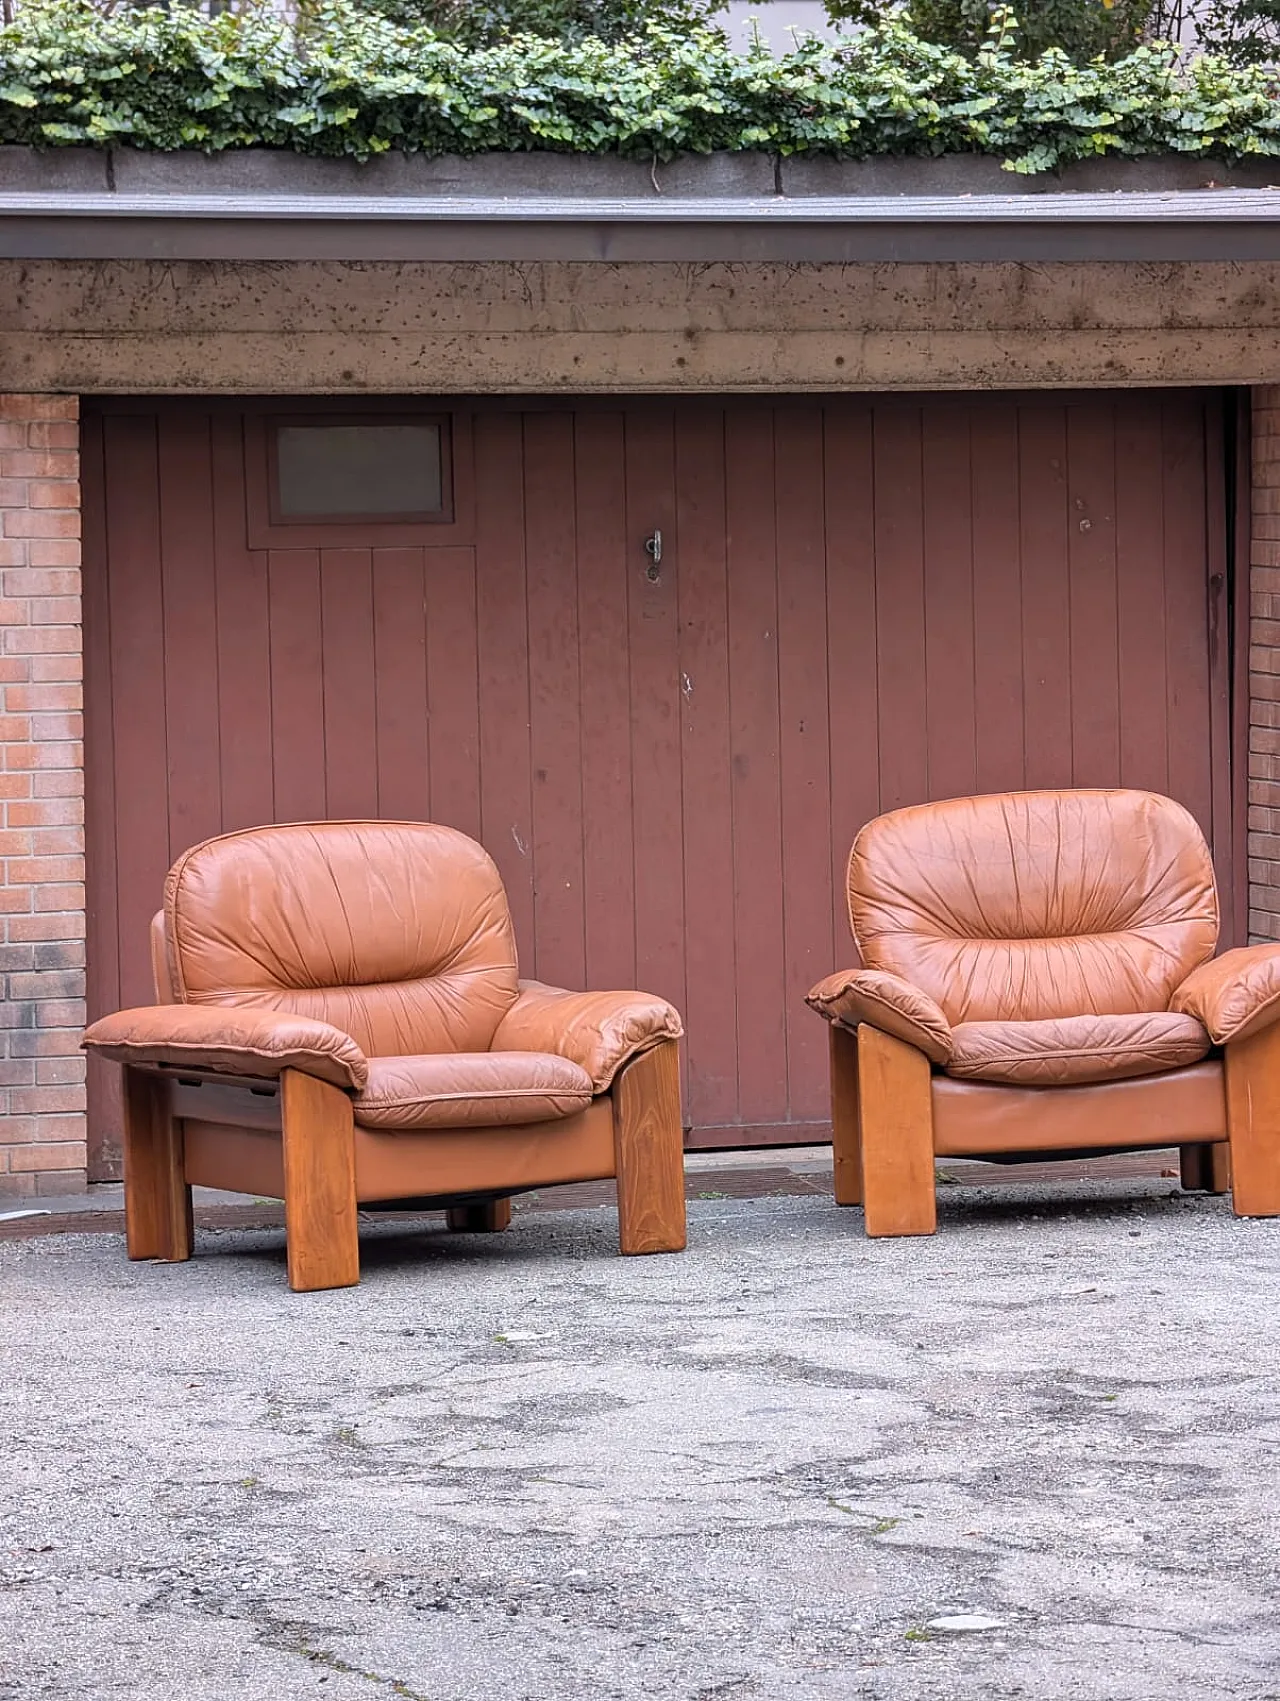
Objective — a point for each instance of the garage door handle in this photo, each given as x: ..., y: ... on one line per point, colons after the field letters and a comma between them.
x: 653, y: 549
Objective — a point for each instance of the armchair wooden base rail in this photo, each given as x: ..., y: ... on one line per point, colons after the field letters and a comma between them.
x: 892, y: 1116
x: 296, y: 1139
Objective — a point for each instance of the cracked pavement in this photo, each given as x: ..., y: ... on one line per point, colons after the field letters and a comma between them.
x: 515, y: 1466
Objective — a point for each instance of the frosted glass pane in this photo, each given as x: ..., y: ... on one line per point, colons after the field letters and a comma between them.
x: 330, y: 470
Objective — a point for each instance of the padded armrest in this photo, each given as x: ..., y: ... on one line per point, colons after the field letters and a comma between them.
x: 1234, y: 995
x: 230, y: 1039
x: 600, y: 1031
x: 886, y: 1002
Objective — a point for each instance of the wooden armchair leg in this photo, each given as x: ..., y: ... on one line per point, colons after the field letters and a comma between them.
x: 320, y: 1220
x: 895, y: 1110
x: 1253, y: 1123
x: 157, y: 1200
x: 1205, y: 1167
x: 648, y: 1144
x: 846, y: 1137
x: 489, y: 1216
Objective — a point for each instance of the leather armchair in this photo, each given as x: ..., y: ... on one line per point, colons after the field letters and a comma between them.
x: 1037, y: 974
x: 339, y: 1022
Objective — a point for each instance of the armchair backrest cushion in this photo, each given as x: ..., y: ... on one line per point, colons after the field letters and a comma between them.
x: 1038, y: 904
x: 398, y: 933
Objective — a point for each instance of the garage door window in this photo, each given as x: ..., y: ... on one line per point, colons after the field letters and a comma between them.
x: 312, y: 478
x: 358, y: 472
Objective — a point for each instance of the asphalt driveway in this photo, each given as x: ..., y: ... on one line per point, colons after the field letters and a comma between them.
x: 517, y: 1468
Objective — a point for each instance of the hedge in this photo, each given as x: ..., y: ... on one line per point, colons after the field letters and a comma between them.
x: 355, y: 84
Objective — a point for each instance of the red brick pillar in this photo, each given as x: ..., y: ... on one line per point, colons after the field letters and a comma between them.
x: 42, y: 1129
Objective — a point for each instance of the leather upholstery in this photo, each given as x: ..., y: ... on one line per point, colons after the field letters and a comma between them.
x: 161, y: 978
x: 1236, y: 995
x: 481, y: 1089
x: 888, y: 1003
x: 1182, y: 1107
x: 600, y: 1031
x: 1033, y: 905
x: 1068, y: 1049
x: 231, y: 1041
x: 397, y: 933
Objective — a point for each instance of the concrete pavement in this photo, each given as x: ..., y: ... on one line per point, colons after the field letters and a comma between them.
x: 515, y: 1467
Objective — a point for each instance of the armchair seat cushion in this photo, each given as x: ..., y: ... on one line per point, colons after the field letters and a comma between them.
x: 1064, y: 1050
x: 471, y: 1089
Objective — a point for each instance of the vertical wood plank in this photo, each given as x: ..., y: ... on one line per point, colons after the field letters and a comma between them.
x: 453, y: 689
x: 102, y: 896
x: 757, y: 790
x: 350, y: 709
x: 554, y: 701
x: 603, y: 561
x: 400, y: 684
x: 189, y: 601
x: 804, y: 749
x: 1186, y: 603
x: 138, y: 667
x: 653, y: 617
x: 1091, y: 567
x: 242, y: 596
x: 895, y: 1114
x: 321, y: 1227
x: 157, y: 1200
x: 999, y: 755
x: 899, y: 546
x: 1219, y: 618
x: 506, y: 804
x: 297, y: 685
x: 1046, y: 609
x: 950, y: 687
x: 710, y: 945
x: 1140, y: 598
x: 648, y: 1152
x: 853, y: 659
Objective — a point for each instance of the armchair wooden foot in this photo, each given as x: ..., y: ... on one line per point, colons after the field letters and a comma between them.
x: 1253, y: 1123
x: 846, y: 1136
x: 489, y: 1216
x: 320, y: 1218
x: 157, y: 1200
x: 1205, y: 1168
x: 648, y: 1141
x: 896, y: 1117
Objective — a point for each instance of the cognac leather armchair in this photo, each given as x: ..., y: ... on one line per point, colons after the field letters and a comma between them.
x: 340, y: 1023
x: 1039, y: 976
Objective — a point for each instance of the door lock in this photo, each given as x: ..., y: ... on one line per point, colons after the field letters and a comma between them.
x: 653, y: 549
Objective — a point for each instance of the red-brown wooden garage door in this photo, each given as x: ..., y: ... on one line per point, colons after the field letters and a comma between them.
x: 860, y: 603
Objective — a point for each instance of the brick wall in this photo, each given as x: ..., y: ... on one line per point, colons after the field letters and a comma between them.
x: 42, y: 1130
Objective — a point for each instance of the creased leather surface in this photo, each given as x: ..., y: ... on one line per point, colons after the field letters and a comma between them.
x: 598, y: 1030
x: 479, y: 1089
x: 1030, y: 905
x: 236, y: 1042
x: 1236, y: 995
x: 398, y: 933
x: 886, y: 1002
x: 972, y: 1117
x: 160, y: 976
x: 1067, y: 1049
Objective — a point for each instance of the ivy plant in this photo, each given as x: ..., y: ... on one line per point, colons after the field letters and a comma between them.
x: 343, y: 80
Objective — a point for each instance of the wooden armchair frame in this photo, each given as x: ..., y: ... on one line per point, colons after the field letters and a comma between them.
x: 295, y: 1138
x: 882, y: 1112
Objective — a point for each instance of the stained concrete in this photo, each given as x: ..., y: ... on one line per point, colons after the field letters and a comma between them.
x: 515, y: 1466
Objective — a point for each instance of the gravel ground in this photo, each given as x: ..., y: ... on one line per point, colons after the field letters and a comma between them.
x: 517, y: 1468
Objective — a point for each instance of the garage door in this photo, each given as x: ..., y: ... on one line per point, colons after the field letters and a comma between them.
x: 662, y: 659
